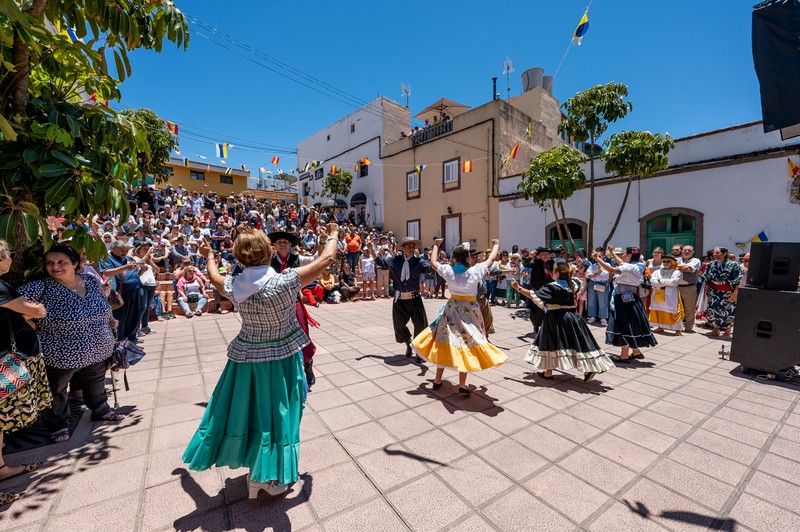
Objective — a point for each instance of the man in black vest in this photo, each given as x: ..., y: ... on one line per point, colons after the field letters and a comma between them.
x: 541, y: 274
x: 284, y: 258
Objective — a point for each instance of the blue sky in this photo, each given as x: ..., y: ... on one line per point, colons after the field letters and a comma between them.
x: 688, y: 63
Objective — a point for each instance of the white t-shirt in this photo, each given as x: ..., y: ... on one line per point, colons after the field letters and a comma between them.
x: 630, y: 274
x: 463, y: 284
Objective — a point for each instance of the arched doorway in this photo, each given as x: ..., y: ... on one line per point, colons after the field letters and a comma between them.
x: 576, y: 227
x: 666, y: 227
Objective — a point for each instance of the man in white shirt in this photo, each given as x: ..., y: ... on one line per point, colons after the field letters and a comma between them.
x: 690, y: 266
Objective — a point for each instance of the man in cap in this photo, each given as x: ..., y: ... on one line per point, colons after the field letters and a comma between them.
x: 284, y: 258
x: 406, y: 269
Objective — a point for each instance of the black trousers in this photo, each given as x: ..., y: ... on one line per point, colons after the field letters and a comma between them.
x: 404, y: 310
x: 91, y: 379
x: 129, y: 315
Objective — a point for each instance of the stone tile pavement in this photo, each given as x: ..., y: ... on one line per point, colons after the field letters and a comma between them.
x: 678, y: 441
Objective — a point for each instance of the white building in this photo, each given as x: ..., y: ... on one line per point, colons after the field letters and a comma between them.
x: 721, y: 188
x: 344, y: 143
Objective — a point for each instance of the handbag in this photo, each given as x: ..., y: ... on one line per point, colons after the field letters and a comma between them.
x: 115, y: 299
x: 13, y: 374
x: 125, y: 355
x: 193, y: 297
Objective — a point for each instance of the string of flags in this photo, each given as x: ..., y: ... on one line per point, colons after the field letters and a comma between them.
x: 222, y: 150
x: 172, y: 127
x: 512, y: 155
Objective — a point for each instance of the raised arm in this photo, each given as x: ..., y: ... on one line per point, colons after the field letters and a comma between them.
x: 311, y: 271
x: 435, y: 254
x: 598, y: 257
x: 493, y: 255
x: 216, y: 278
x: 530, y: 294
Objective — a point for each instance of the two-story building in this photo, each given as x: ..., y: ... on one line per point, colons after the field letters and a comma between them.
x: 443, y: 180
x: 349, y: 144
x: 202, y: 176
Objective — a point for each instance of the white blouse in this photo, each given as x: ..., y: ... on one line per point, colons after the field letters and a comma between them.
x: 629, y: 275
x: 463, y: 284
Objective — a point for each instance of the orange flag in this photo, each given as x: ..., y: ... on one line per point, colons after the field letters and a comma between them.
x: 466, y: 167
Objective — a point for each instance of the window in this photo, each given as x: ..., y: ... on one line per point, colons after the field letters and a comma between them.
x: 226, y: 179
x: 363, y: 170
x: 329, y: 137
x: 352, y: 128
x: 412, y: 228
x: 451, y: 174
x: 412, y: 185
x: 197, y: 176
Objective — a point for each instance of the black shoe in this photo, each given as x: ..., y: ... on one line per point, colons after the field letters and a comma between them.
x: 464, y: 391
x: 311, y: 379
x: 544, y: 376
x: 436, y: 385
x: 589, y: 375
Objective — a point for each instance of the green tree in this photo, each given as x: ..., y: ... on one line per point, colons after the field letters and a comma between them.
x: 553, y: 176
x: 588, y: 115
x: 57, y: 147
x: 635, y: 154
x: 338, y: 183
x: 160, y: 140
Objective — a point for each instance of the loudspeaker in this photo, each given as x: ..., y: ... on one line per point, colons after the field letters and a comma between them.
x: 766, y: 334
x: 774, y: 265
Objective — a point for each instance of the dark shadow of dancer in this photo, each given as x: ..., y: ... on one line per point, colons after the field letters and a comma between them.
x: 693, y: 518
x: 634, y: 363
x: 398, y: 361
x: 257, y: 516
x: 593, y: 387
x: 479, y: 401
x: 413, y: 456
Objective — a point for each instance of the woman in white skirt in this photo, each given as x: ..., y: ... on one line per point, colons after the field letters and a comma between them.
x: 564, y: 341
x: 457, y: 338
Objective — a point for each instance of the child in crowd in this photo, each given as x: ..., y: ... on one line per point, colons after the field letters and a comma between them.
x: 514, y: 275
x: 367, y: 273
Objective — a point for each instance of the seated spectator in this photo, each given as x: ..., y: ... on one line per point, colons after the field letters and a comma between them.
x: 179, y: 251
x: 191, y: 289
x: 313, y: 293
x: 348, y: 286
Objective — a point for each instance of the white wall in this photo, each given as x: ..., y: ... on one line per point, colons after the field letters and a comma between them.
x: 737, y: 200
x: 375, y: 122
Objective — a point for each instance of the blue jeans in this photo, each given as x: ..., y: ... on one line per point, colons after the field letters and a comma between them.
x: 201, y: 305
x: 148, y: 293
x: 597, y: 304
x: 352, y: 260
x: 491, y: 290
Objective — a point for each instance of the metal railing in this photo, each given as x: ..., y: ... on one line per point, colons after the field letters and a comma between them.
x: 431, y: 132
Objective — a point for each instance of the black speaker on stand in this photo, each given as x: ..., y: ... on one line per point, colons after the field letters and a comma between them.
x: 774, y: 265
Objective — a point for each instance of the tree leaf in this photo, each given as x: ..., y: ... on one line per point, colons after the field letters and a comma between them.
x: 64, y: 158
x: 7, y: 229
x: 53, y: 170
x: 7, y: 129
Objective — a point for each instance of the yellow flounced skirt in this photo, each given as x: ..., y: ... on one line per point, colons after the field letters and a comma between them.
x: 457, y: 339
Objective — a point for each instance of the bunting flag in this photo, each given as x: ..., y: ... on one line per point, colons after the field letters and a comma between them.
x: 177, y: 150
x: 419, y: 168
x: 513, y: 153
x: 466, y: 167
x: 794, y: 169
x: 306, y: 167
x: 529, y: 131
x: 172, y: 127
x: 222, y: 150
x: 364, y: 161
x: 94, y: 98
x: 203, y: 157
x: 222, y: 161
x: 355, y: 167
x: 760, y: 237
x: 275, y: 160
x: 228, y: 171
x: 262, y: 170
x: 315, y: 164
x: 333, y: 169
x: 582, y: 28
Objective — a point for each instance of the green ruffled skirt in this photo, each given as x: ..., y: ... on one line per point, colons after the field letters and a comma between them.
x: 253, y: 420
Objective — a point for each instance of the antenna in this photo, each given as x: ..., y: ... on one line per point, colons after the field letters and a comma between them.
x: 508, y: 69
x: 406, y: 91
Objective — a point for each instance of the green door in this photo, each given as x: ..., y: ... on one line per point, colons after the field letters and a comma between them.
x: 577, y: 236
x: 669, y: 229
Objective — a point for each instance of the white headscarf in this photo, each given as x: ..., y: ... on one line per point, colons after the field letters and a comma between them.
x: 251, y: 280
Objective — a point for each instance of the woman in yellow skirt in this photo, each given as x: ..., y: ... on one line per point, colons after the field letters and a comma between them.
x: 666, y: 307
x: 457, y: 338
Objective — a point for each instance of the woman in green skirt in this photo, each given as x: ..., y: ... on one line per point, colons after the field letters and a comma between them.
x: 253, y: 417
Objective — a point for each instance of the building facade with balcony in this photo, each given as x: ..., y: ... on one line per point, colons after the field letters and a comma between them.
x: 361, y: 134
x: 444, y: 199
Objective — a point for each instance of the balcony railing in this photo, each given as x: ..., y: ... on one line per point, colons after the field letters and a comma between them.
x: 431, y: 132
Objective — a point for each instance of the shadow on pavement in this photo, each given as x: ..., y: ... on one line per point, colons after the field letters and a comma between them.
x: 398, y: 361
x: 413, y: 456
x: 692, y: 518
x: 479, y: 401
x: 593, y: 387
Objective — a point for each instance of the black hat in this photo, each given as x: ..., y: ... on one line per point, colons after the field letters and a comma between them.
x: 542, y: 249
x: 283, y: 235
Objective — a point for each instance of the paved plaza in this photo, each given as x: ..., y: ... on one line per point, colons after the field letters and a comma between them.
x: 680, y: 440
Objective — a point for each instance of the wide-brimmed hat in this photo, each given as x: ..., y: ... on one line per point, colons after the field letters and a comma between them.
x: 283, y: 235
x: 410, y: 240
x: 542, y: 249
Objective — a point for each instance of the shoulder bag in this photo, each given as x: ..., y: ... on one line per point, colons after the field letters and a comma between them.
x: 13, y: 374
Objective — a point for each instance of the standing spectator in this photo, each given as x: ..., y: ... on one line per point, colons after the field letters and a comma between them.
x: 125, y: 272
x: 651, y: 266
x: 689, y: 265
x: 353, y: 242
x: 148, y: 270
x: 145, y: 195
x: 440, y: 285
x: 597, y: 292
x: 367, y: 273
x: 666, y: 307
x: 722, y: 278
x: 75, y: 334
x: 382, y: 270
x: 512, y: 296
x: 22, y: 407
